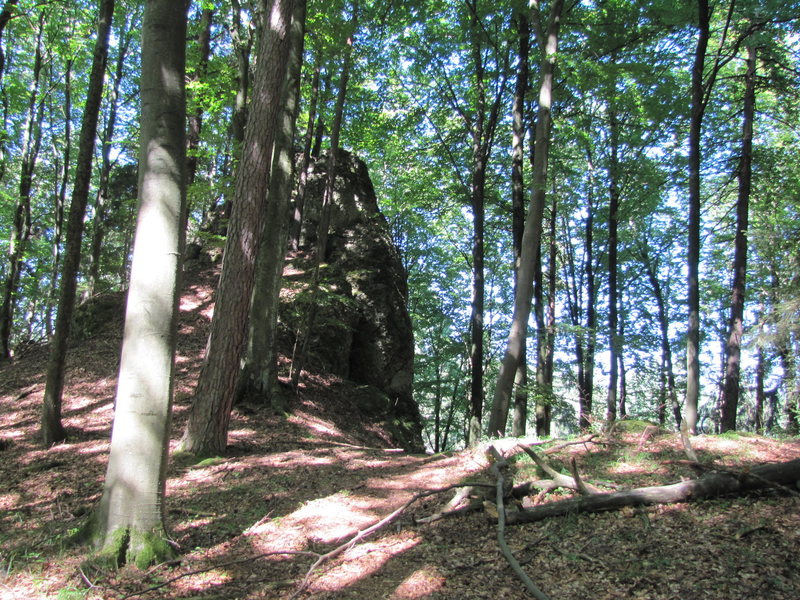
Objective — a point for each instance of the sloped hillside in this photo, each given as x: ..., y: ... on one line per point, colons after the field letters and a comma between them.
x: 294, y: 487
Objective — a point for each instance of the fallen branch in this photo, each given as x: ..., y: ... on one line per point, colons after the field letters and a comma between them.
x: 369, y: 531
x: 713, y: 484
x: 501, y: 523
x: 559, y: 479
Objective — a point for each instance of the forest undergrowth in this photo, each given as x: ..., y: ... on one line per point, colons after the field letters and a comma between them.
x: 294, y: 487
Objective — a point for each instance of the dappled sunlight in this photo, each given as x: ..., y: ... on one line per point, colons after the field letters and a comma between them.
x: 332, y: 519
x: 315, y: 424
x: 420, y: 583
x: 93, y: 448
x: 364, y: 560
x: 7, y: 501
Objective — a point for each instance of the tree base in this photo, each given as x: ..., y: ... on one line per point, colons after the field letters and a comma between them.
x: 125, y: 546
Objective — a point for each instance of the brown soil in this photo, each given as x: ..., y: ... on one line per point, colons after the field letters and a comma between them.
x: 248, y: 523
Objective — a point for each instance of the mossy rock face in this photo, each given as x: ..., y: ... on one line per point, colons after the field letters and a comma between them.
x: 96, y: 313
x: 363, y: 331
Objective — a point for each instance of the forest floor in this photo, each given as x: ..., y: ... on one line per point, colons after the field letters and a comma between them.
x: 295, y: 486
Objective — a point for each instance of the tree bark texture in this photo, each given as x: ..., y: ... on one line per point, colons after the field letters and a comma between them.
x: 52, y: 429
x: 546, y: 351
x: 60, y: 199
x: 207, y: 429
x: 711, y: 485
x: 520, y: 418
x: 533, y: 226
x: 733, y: 346
x: 260, y: 371
x: 481, y: 123
x: 693, y: 225
x: 128, y: 524
x: 613, y: 242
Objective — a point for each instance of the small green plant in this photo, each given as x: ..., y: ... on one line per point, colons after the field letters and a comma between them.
x: 71, y: 593
x: 211, y: 461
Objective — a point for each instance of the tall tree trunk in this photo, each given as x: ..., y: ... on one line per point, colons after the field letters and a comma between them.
x: 128, y: 524
x: 52, y: 430
x: 586, y: 393
x: 623, y: 372
x: 106, y: 141
x: 60, y: 198
x: 791, y: 387
x: 533, y: 222
x: 5, y: 17
x: 196, y: 118
x: 242, y: 45
x: 541, y: 334
x: 207, y: 429
x: 260, y: 371
x: 476, y: 325
x: 693, y: 226
x: 321, y: 250
x: 300, y: 197
x: 543, y: 421
x: 477, y: 206
x: 21, y: 231
x: 519, y: 421
x: 242, y: 38
x: 758, y: 419
x: 733, y: 350
x: 663, y: 325
x: 613, y: 222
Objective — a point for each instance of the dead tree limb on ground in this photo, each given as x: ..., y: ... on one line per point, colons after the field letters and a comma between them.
x: 364, y: 533
x: 496, y: 469
x: 715, y: 483
x: 559, y: 479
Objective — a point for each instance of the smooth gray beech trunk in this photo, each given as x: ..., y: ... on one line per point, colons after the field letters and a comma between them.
x: 520, y: 420
x: 128, y: 524
x: 533, y: 225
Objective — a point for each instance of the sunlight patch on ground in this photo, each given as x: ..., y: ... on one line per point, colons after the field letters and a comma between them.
x: 354, y: 465
x: 332, y: 519
x: 89, y: 448
x: 9, y: 501
x: 623, y: 467
x: 300, y: 458
x: 364, y: 560
x: 317, y: 425
x: 204, y: 582
x: 272, y: 535
x: 235, y: 435
x: 420, y: 583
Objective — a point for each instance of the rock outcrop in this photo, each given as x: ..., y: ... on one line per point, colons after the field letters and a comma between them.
x: 363, y: 331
